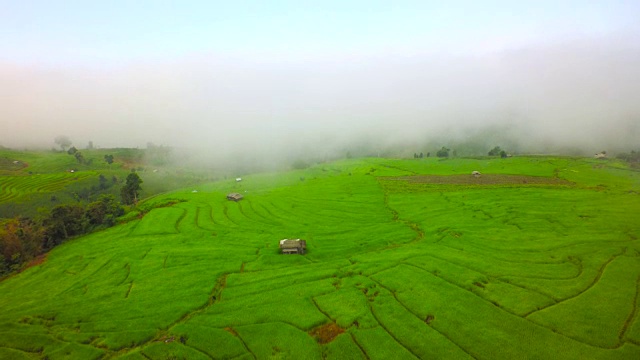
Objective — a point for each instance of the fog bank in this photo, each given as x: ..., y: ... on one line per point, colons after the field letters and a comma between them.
x: 579, y: 94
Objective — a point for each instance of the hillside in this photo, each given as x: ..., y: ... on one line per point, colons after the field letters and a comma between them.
x: 30, y: 180
x: 537, y: 257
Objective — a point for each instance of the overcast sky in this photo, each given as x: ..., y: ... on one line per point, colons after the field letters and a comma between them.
x: 267, y: 75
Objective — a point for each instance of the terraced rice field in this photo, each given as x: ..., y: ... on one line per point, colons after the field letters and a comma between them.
x: 29, y: 180
x: 539, y: 258
x: 14, y: 187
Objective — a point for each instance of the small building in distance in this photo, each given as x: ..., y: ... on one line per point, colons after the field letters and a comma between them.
x: 293, y: 246
x: 476, y: 173
x: 234, y: 197
x: 601, y: 155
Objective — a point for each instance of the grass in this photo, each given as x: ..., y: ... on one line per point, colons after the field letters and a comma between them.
x: 432, y: 266
x: 32, y: 180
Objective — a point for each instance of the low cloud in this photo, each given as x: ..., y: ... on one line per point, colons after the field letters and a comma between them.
x: 580, y: 95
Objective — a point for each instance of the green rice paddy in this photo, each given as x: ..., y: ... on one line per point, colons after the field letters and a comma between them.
x: 538, y: 258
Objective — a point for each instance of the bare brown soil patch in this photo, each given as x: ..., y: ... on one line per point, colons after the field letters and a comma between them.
x: 485, y: 179
x: 12, y: 165
x: 326, y: 333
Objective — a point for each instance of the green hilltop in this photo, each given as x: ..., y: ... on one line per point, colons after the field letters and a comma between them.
x: 537, y: 257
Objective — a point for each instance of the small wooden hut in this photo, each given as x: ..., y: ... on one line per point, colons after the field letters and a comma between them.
x: 293, y: 246
x: 234, y: 197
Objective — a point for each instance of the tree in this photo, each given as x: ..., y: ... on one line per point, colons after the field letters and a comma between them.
x: 104, y: 211
x: 444, y: 152
x: 421, y: 155
x: 158, y: 155
x: 632, y: 157
x: 72, y: 150
x: 503, y: 154
x: 79, y: 157
x: 129, y: 191
x: 63, y: 141
x: 103, y: 182
x: 495, y: 151
x: 20, y: 241
x: 108, y: 159
x: 65, y: 221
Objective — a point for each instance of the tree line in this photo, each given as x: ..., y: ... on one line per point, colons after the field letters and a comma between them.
x: 444, y: 152
x: 22, y: 239
x: 631, y: 157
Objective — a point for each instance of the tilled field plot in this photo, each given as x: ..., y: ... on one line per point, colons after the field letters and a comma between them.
x: 485, y: 179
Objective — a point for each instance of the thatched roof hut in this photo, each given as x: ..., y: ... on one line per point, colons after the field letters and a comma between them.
x: 293, y: 246
x: 234, y: 197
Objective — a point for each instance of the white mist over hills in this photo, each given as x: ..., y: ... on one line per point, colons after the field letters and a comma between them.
x: 576, y: 92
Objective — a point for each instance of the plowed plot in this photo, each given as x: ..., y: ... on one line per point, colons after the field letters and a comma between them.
x: 326, y: 333
x: 12, y: 165
x: 488, y: 179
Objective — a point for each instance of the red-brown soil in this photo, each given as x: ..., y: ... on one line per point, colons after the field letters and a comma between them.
x: 326, y: 333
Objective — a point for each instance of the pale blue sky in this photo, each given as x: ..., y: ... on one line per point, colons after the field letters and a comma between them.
x: 102, y: 32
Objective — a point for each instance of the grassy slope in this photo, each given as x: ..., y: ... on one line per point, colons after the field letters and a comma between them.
x: 44, y: 179
x: 517, y: 271
x: 39, y: 176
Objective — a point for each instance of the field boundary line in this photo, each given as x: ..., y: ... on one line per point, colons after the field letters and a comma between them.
x: 127, y: 266
x: 226, y: 214
x: 199, y: 208
x: 313, y: 300
x: 524, y: 277
x: 265, y: 219
x: 496, y: 304
x: 373, y: 313
x: 244, y: 343
x: 213, y: 220
x: 75, y: 286
x: 197, y: 349
x: 485, y: 253
x: 414, y: 314
x: 271, y: 214
x: 283, y: 287
x: 180, y: 218
x: 270, y: 322
x: 213, y: 298
x: 630, y: 319
x: 541, y: 252
x: 593, y: 283
x: 21, y: 350
x: 366, y: 356
x: 126, y: 296
x: 241, y: 211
